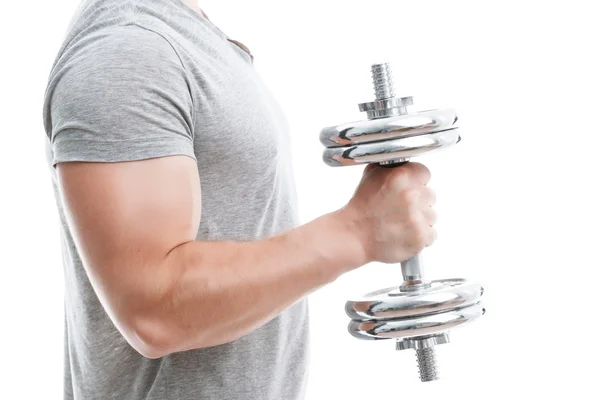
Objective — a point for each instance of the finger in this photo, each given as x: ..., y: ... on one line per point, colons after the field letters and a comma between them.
x: 430, y: 216
x: 428, y: 196
x: 370, y: 167
x: 419, y: 172
x: 431, y: 236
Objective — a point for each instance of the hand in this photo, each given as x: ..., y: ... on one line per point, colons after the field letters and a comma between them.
x: 391, y: 212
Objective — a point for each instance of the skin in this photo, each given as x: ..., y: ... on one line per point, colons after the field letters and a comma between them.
x: 135, y: 224
x: 194, y: 6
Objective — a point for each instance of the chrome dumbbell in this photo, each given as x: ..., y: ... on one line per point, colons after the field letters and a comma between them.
x: 418, y: 313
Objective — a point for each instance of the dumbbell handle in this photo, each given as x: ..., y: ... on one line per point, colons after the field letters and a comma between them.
x: 412, y: 269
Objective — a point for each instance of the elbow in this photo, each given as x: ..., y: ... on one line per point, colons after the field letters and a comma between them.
x: 150, y: 337
x: 145, y: 319
x: 150, y: 350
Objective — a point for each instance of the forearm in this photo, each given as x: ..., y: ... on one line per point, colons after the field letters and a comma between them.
x: 134, y: 223
x: 220, y: 291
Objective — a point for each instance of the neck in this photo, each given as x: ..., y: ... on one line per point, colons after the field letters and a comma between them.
x: 193, y: 4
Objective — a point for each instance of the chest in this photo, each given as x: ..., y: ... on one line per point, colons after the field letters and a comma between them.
x: 238, y: 124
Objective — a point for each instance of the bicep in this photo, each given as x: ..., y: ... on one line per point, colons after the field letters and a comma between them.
x: 125, y: 217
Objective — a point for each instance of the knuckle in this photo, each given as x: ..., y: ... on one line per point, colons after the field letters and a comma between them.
x: 400, y: 177
x: 414, y: 219
x: 422, y: 173
x: 410, y: 196
x: 433, y: 216
x: 434, y: 220
x: 369, y: 169
x: 433, y: 237
x: 425, y: 173
x: 431, y: 195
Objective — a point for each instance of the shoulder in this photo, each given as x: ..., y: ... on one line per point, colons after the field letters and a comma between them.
x: 115, y: 65
x: 122, y: 45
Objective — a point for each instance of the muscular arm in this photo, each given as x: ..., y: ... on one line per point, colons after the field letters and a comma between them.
x: 119, y: 115
x: 135, y: 225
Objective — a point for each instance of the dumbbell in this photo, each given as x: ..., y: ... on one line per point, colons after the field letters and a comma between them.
x: 418, y: 313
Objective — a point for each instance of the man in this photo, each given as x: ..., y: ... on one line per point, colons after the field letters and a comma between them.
x: 185, y: 266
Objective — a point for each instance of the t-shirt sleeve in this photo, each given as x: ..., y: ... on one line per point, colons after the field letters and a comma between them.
x: 122, y: 95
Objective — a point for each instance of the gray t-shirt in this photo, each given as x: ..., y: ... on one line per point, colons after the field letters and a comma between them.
x: 139, y: 79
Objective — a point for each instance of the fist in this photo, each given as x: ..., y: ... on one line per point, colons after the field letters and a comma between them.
x: 392, y: 212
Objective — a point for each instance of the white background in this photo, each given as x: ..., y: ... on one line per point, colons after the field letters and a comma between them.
x: 517, y: 198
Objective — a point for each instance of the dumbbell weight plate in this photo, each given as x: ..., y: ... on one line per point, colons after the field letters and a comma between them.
x: 415, y: 326
x: 374, y: 130
x: 393, y: 303
x: 390, y: 150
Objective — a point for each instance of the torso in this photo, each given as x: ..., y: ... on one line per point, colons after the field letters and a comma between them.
x: 241, y: 142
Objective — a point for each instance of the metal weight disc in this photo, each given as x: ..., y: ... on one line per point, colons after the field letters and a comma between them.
x: 375, y: 130
x: 414, y: 326
x: 394, y: 313
x: 393, y: 303
x: 390, y: 150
